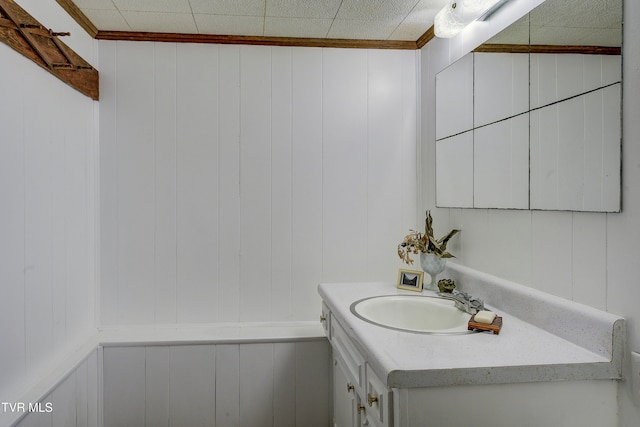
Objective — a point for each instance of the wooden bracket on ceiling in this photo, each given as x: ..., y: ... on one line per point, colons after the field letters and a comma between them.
x: 26, y: 35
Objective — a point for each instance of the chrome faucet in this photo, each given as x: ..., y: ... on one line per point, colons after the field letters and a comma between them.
x: 464, y: 301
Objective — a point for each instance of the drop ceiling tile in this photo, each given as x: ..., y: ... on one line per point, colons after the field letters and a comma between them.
x: 407, y: 31
x: 361, y: 29
x: 230, y: 25
x: 600, y: 37
x: 95, y: 4
x: 229, y: 7
x: 372, y: 10
x: 108, y: 20
x: 418, y: 21
x: 425, y: 11
x: 161, y: 22
x: 153, y: 5
x: 431, y: 5
x: 303, y: 9
x: 296, y: 27
x: 517, y: 33
x: 367, y: 19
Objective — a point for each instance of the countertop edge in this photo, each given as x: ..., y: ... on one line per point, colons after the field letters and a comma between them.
x: 502, y: 375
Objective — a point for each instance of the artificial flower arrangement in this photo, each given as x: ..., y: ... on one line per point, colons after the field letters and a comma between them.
x: 417, y: 242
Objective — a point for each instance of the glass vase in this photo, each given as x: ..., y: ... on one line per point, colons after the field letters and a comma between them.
x: 432, y: 265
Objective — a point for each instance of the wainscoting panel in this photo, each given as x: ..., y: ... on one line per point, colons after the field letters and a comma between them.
x: 74, y: 402
x: 253, y: 384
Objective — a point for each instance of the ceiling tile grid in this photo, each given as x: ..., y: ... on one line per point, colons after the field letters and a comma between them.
x: 326, y: 9
x: 361, y: 29
x: 95, y: 4
x: 401, y: 20
x: 229, y: 7
x: 230, y: 25
x: 372, y: 10
x: 169, y: 22
x: 104, y: 18
x: 302, y: 27
x: 169, y: 6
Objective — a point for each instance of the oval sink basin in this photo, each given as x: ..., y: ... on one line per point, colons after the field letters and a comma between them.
x: 421, y: 314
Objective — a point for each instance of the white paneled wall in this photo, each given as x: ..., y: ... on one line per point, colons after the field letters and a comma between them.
x: 262, y: 384
x: 501, y: 164
x: 587, y: 257
x: 551, y: 251
x: 501, y: 86
x: 74, y: 402
x: 555, y: 77
x: 454, y: 98
x: 234, y: 179
x: 454, y: 171
x: 563, y: 253
x: 47, y: 221
x: 575, y: 153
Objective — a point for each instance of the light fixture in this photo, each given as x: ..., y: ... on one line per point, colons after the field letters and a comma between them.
x: 457, y: 14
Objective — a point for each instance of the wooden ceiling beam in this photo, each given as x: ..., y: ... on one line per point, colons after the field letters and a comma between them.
x: 26, y: 35
x: 82, y: 20
x: 7, y: 23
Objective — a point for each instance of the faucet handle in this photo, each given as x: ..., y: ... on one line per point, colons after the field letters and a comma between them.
x: 477, y: 304
x: 466, y: 302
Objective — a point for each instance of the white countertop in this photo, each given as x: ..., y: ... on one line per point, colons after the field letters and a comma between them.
x: 522, y: 352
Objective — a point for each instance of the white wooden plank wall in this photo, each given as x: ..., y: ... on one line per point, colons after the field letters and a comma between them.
x: 520, y: 240
x: 262, y: 384
x: 591, y: 120
x: 75, y: 402
x: 234, y: 179
x: 47, y: 221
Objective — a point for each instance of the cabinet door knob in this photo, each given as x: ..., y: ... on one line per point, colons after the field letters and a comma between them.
x: 350, y: 387
x: 371, y: 399
x: 361, y: 409
x: 323, y: 319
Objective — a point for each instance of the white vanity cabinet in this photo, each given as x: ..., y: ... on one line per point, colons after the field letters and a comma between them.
x: 347, y: 406
x: 542, y: 370
x: 359, y: 396
x: 379, y: 400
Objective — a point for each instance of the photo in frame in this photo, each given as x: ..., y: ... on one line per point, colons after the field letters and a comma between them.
x: 410, y: 280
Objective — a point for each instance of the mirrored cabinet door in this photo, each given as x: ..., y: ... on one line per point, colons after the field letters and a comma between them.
x: 454, y: 171
x: 573, y: 164
x: 501, y: 86
x: 546, y: 116
x: 454, y: 98
x: 500, y: 169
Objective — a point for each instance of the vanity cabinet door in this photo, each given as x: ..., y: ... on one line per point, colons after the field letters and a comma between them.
x: 346, y: 403
x: 378, y: 399
x: 359, y: 397
x: 354, y: 362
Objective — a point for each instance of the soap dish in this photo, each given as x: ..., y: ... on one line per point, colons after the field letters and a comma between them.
x: 494, y: 327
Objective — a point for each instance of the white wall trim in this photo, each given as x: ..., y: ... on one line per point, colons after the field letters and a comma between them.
x: 48, y: 383
x: 162, y: 335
